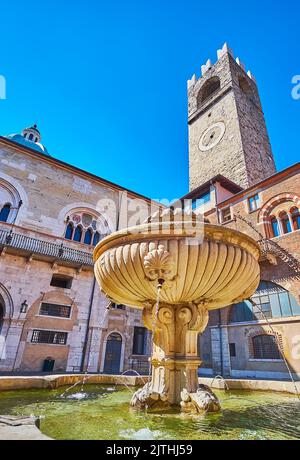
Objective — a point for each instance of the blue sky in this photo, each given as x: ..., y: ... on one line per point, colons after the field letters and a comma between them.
x: 106, y: 81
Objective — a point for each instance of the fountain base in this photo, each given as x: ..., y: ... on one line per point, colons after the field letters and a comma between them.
x: 203, y: 401
x: 146, y: 398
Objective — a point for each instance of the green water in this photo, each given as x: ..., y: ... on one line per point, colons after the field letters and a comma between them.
x: 105, y: 414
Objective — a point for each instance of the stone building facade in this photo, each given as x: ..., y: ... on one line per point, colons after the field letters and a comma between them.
x: 53, y: 316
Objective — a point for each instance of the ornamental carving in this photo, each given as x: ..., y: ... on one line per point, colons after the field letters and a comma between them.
x: 159, y: 265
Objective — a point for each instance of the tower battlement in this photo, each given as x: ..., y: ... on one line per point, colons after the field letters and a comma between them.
x: 225, y: 50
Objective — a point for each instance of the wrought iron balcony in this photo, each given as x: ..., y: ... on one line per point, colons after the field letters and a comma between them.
x: 55, y: 251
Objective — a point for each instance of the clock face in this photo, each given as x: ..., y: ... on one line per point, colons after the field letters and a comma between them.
x: 212, y: 136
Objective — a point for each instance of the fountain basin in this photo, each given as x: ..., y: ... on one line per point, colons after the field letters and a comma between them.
x: 176, y: 270
x: 220, y: 270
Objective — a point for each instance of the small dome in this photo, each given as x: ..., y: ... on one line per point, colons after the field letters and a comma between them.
x: 31, y: 138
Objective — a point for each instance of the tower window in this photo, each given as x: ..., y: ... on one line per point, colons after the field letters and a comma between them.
x: 253, y: 203
x: 30, y: 137
x: 4, y: 213
x: 208, y: 89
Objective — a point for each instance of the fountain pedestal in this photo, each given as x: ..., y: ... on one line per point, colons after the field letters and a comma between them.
x: 174, y: 359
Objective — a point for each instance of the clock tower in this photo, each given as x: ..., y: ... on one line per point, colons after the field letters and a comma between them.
x: 227, y: 130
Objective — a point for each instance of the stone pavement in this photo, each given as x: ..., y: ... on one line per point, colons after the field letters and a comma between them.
x: 20, y: 428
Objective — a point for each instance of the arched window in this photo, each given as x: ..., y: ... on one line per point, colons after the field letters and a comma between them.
x: 78, y: 234
x: 83, y: 227
x: 69, y: 231
x: 96, y: 239
x: 30, y: 137
x: 285, y: 223
x: 272, y: 301
x: 295, y: 218
x: 275, y: 227
x: 88, y: 236
x: 285, y: 209
x: 4, y: 213
x: 265, y: 347
x: 208, y: 89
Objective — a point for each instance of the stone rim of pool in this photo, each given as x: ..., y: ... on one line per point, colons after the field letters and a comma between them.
x: 229, y: 424
x: 284, y: 390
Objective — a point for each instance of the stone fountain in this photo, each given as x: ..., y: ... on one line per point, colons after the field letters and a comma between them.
x: 176, y: 268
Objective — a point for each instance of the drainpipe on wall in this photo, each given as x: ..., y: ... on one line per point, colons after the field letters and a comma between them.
x: 88, y: 327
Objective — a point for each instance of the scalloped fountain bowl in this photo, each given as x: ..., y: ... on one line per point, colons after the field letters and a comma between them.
x: 193, y: 268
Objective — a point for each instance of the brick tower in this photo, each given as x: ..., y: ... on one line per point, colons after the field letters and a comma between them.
x: 227, y: 129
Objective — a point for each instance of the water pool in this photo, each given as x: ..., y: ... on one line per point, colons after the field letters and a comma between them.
x: 103, y: 412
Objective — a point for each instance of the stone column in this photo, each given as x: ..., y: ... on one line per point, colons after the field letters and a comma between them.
x: 175, y: 358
